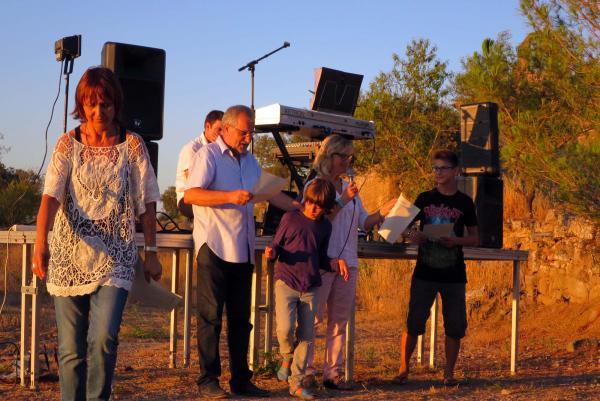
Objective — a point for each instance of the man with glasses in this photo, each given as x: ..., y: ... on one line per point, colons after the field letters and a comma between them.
x: 440, y: 263
x: 222, y: 175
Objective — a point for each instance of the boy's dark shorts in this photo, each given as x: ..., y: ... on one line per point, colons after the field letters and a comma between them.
x: 454, y: 309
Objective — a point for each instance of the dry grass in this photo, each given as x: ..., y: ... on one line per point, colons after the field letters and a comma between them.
x: 383, y: 286
x: 546, y: 370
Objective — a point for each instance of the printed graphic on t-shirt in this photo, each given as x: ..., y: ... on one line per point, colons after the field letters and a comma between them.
x: 433, y: 254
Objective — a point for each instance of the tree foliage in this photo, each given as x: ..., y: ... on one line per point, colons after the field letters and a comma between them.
x: 169, y: 202
x: 412, y: 116
x: 548, y: 90
x: 263, y: 146
x: 20, y: 193
x: 264, y: 150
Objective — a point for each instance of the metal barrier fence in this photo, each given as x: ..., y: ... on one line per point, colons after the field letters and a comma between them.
x: 180, y: 244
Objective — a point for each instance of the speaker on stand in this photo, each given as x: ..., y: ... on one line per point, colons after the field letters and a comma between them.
x: 480, y: 168
x: 141, y: 73
x: 486, y: 193
x: 153, y: 154
x: 479, y: 145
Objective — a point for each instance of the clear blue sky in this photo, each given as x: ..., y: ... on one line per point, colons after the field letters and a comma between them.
x: 206, y: 42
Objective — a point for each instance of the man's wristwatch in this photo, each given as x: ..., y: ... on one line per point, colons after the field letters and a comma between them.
x: 148, y: 248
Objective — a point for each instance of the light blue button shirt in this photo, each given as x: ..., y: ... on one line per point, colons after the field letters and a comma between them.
x: 227, y: 229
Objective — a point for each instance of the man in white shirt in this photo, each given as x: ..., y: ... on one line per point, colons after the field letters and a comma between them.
x: 212, y: 130
x: 220, y: 180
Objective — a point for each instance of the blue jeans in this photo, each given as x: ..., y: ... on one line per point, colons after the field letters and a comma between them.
x: 88, y: 329
x: 295, y: 318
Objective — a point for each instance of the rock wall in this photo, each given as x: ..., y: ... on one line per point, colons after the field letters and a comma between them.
x: 564, y: 257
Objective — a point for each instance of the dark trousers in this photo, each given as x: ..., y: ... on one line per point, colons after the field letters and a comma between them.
x: 222, y: 283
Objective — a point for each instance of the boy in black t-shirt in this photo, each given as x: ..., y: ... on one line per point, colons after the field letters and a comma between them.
x: 440, y: 263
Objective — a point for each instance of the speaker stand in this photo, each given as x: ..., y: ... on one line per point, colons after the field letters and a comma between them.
x: 67, y: 70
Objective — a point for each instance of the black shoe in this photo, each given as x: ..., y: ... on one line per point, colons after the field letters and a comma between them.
x: 212, y: 390
x: 337, y: 383
x: 249, y: 389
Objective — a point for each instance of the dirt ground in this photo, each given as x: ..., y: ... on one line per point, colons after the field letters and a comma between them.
x: 547, y: 369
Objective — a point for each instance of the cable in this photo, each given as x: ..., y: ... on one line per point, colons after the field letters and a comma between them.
x: 354, y: 201
x: 349, y: 228
x: 5, y: 272
x: 16, y: 352
x: 31, y: 179
x: 164, y: 227
x: 37, y: 175
x: 50, y: 121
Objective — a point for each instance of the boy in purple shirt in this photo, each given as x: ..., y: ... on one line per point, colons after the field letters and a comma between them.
x: 300, y: 248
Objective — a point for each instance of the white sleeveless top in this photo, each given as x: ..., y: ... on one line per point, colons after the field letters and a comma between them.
x: 101, y: 191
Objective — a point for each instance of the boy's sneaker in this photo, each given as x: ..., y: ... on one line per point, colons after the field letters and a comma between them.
x: 284, y: 371
x: 302, y: 393
x: 337, y: 383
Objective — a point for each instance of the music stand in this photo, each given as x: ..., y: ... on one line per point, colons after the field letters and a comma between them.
x: 335, y: 91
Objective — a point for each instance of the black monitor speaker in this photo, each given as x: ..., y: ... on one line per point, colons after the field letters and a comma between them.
x: 141, y: 72
x: 479, y: 147
x: 335, y: 91
x: 487, y: 194
x: 153, y: 154
x: 273, y: 216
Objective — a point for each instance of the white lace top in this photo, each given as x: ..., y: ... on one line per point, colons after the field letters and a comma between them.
x: 101, y: 191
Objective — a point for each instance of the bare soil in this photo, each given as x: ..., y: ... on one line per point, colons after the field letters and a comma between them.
x: 546, y: 369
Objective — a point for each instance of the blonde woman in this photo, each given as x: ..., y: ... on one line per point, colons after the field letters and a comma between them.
x: 336, y: 295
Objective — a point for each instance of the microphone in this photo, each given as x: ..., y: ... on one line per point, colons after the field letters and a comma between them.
x: 350, y: 174
x: 286, y: 44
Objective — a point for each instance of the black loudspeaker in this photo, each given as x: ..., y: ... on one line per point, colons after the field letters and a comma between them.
x: 479, y: 148
x: 153, y: 154
x: 487, y: 194
x: 141, y: 72
x: 273, y: 216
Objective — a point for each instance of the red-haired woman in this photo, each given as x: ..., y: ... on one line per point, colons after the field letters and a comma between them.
x: 98, y: 181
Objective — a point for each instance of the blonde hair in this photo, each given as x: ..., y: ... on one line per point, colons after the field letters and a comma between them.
x: 332, y: 144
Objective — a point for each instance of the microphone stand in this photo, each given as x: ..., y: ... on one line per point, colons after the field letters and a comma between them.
x: 67, y: 70
x: 251, y: 66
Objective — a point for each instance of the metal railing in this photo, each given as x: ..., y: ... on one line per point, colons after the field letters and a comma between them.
x: 183, y: 243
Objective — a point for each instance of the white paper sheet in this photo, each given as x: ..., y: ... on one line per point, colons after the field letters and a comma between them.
x: 151, y: 293
x: 267, y: 187
x: 401, y: 215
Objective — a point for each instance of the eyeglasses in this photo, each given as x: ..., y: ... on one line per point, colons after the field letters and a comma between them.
x: 243, y: 133
x: 441, y: 169
x: 344, y: 156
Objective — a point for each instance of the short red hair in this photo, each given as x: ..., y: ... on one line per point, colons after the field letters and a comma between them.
x: 98, y: 83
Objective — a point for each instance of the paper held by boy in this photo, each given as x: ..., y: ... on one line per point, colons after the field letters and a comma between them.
x: 399, y: 218
x: 436, y: 231
x: 268, y: 186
